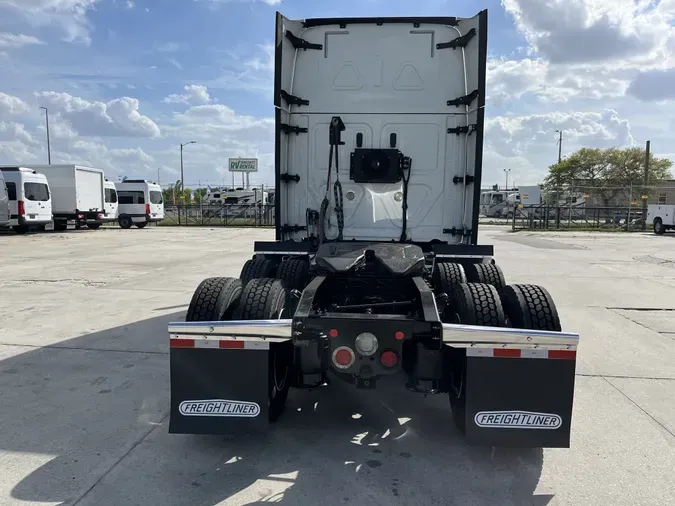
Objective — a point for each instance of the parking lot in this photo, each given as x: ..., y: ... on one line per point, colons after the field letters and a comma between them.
x: 84, y: 384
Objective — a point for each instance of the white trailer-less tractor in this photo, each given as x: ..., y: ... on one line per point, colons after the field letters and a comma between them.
x: 375, y: 274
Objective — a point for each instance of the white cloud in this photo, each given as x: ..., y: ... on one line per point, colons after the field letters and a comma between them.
x: 194, y: 94
x: 130, y: 4
x: 119, y: 117
x: 12, y: 41
x: 566, y: 31
x: 217, y: 2
x: 170, y: 47
x: 511, y: 79
x: 256, y: 74
x: 11, y: 105
x: 654, y: 85
x: 69, y: 15
x: 527, y: 144
x: 175, y: 63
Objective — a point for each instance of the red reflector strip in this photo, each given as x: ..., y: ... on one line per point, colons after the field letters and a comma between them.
x: 506, y: 352
x: 521, y: 353
x: 223, y: 344
x: 563, y: 354
x: 182, y: 343
x: 238, y: 345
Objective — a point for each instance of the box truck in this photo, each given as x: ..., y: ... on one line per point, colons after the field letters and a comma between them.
x: 77, y: 195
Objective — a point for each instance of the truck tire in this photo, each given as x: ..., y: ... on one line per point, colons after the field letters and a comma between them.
x: 294, y: 273
x: 475, y: 304
x: 446, y: 275
x: 94, y: 226
x: 530, y: 307
x: 256, y: 268
x: 125, y: 222
x: 489, y: 274
x: 60, y: 227
x: 659, y: 229
x: 141, y: 225
x: 264, y: 299
x: 215, y: 299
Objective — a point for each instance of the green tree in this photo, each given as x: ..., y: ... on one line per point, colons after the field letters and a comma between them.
x: 199, y: 195
x: 609, y: 172
x: 172, y: 192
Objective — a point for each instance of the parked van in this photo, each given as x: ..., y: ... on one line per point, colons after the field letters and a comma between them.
x: 4, y: 204
x: 139, y: 202
x: 111, y: 206
x: 30, y: 200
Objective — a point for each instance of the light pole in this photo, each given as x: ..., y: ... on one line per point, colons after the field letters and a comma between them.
x: 158, y: 176
x: 182, y: 179
x: 560, y: 145
x: 506, y: 172
x: 49, y: 151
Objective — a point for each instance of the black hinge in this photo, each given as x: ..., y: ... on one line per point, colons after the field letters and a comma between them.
x: 460, y: 41
x: 460, y: 179
x: 292, y: 99
x: 299, y: 43
x: 287, y: 178
x: 463, y: 129
x: 457, y: 231
x: 287, y: 129
x: 286, y: 228
x: 465, y: 100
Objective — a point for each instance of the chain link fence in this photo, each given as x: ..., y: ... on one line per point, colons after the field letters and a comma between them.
x: 590, y: 207
x: 222, y: 215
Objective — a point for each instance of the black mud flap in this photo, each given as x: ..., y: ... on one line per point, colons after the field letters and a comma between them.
x: 219, y: 391
x: 513, y: 401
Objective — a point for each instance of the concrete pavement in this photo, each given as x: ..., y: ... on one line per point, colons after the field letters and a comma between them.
x: 84, y: 382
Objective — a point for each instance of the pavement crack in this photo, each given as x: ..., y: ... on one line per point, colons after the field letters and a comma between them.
x: 639, y: 407
x: 117, y: 462
x: 80, y: 348
x: 605, y: 376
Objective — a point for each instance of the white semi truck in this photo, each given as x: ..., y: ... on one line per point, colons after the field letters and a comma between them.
x: 376, y: 272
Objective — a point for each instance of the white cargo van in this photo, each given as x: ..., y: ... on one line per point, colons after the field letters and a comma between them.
x: 139, y: 202
x: 4, y: 204
x: 30, y: 202
x: 77, y: 194
x: 111, y: 207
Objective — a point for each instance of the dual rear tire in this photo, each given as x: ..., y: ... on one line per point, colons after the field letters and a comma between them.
x: 222, y: 299
x: 486, y: 300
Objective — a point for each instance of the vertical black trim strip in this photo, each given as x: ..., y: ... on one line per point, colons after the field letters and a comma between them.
x: 277, y: 125
x: 480, y: 122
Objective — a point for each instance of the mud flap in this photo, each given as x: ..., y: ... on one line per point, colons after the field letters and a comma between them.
x: 522, y: 402
x: 219, y: 391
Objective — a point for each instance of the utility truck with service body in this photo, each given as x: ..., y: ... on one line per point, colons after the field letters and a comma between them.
x: 376, y: 274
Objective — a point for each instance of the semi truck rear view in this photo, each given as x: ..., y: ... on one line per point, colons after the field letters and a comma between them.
x: 375, y: 273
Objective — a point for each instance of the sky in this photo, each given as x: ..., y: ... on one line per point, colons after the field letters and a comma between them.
x: 127, y: 81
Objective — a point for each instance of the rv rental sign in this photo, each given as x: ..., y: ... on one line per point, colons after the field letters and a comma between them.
x: 243, y: 164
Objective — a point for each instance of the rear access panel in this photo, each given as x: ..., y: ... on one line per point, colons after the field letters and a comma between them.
x: 218, y: 391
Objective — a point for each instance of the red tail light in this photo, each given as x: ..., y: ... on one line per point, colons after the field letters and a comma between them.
x: 22, y: 209
x: 389, y: 359
x: 343, y: 357
x: 99, y: 216
x: 147, y: 208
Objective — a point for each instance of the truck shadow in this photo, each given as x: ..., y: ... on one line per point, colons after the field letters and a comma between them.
x: 85, y: 421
